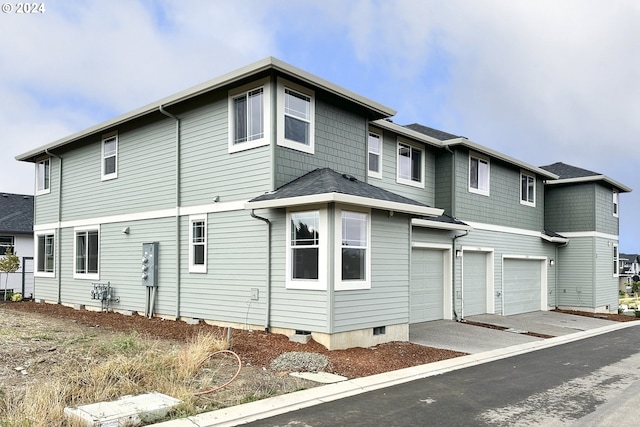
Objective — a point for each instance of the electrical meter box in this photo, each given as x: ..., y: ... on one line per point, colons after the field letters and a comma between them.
x: 150, y: 264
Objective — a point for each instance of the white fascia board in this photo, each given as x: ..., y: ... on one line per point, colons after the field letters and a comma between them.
x: 440, y: 225
x: 401, y: 130
x: 593, y: 178
x: 346, y: 199
x: 495, y: 154
x: 590, y: 234
x: 210, y: 85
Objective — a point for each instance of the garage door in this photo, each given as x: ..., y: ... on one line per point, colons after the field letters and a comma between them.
x: 522, y: 286
x: 474, y: 283
x: 427, y: 285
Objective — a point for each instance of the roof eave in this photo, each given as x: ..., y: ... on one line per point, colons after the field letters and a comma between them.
x: 208, y: 86
x: 495, y: 154
x: 346, y: 199
x: 593, y: 178
x: 419, y: 222
x: 554, y: 239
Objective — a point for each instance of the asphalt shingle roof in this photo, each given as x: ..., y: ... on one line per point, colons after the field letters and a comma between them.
x: 323, y: 181
x: 16, y: 213
x: 434, y: 133
x: 565, y: 171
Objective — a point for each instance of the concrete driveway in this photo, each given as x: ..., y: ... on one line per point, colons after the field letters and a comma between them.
x: 471, y: 339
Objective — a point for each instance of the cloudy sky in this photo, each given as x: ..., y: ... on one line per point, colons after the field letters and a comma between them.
x: 540, y: 80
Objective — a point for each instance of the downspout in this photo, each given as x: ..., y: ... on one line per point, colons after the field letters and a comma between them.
x: 453, y: 281
x: 267, y: 319
x: 166, y: 113
x: 58, y: 237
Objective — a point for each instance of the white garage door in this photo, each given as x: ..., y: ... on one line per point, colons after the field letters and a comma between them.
x: 427, y: 285
x: 522, y: 286
x: 474, y: 283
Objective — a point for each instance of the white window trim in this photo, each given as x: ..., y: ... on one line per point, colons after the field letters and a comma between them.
x: 294, y: 145
x: 108, y: 176
x: 266, y: 108
x: 616, y: 260
x: 371, y: 173
x: 48, y: 179
x: 319, y: 284
x: 616, y: 204
x: 535, y: 184
x: 422, y: 164
x: 349, y: 285
x: 194, y: 268
x: 90, y: 276
x: 36, y: 257
x: 486, y: 192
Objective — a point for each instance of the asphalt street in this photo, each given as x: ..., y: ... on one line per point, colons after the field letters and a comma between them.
x: 582, y: 382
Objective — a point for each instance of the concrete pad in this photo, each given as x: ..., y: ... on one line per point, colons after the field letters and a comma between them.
x: 319, y: 377
x: 128, y: 410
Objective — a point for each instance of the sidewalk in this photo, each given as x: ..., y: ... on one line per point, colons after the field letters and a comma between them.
x: 266, y: 408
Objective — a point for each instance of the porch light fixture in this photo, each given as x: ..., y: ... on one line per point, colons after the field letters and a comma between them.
x: 552, y: 262
x: 458, y: 253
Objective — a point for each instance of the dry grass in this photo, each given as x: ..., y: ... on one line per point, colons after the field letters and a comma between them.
x: 129, y: 365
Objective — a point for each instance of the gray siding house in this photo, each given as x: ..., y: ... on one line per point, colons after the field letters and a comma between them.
x: 16, y: 233
x: 272, y: 199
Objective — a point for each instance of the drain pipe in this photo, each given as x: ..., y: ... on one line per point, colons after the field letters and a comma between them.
x: 268, y: 284
x: 453, y: 281
x: 57, y: 253
x: 174, y: 117
x: 556, y: 268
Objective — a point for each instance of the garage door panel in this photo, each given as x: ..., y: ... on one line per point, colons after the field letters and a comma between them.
x: 427, y: 285
x: 475, y: 283
x: 522, y: 286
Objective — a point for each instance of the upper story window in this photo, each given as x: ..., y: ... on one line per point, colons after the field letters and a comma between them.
x: 198, y: 244
x: 43, y: 176
x: 306, y: 250
x: 249, y: 118
x: 527, y: 189
x: 296, y: 117
x: 616, y: 261
x: 478, y: 175
x: 615, y: 203
x: 374, y: 160
x: 45, y: 253
x: 87, y: 250
x: 110, y: 156
x: 410, y: 165
x: 6, y: 243
x: 354, y: 262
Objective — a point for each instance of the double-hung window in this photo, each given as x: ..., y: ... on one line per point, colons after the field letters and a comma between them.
x: 615, y: 203
x: 616, y: 261
x: 527, y: 189
x: 353, y: 263
x: 478, y: 175
x: 198, y: 244
x: 307, y: 247
x: 249, y: 118
x: 110, y: 156
x: 6, y: 243
x: 375, y: 155
x: 410, y: 165
x: 87, y: 250
x: 45, y: 254
x: 296, y: 112
x: 43, y: 176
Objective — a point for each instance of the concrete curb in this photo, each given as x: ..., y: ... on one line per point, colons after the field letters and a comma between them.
x: 277, y: 405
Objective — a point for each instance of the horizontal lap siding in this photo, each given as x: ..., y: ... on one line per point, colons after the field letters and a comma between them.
x: 576, y: 273
x: 387, y: 302
x: 146, y: 174
x: 208, y: 169
x: 236, y: 263
x: 293, y: 308
x: 606, y: 285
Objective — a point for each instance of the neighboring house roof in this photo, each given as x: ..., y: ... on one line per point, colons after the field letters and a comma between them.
x: 377, y: 110
x: 326, y: 185
x: 568, y: 174
x: 16, y: 213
